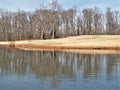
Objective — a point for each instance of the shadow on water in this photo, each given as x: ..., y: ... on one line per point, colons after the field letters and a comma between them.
x: 61, y: 69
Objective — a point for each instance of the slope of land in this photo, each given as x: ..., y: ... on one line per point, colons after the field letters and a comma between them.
x: 111, y: 42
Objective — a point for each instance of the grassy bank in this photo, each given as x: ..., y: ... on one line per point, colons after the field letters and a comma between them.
x: 111, y: 42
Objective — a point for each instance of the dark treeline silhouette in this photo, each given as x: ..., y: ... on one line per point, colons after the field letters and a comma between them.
x: 52, y: 21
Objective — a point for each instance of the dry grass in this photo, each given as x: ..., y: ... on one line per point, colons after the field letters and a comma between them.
x: 76, y: 42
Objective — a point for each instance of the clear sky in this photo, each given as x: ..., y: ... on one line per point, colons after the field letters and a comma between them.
x: 30, y: 5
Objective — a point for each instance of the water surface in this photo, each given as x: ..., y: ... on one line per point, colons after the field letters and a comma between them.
x: 35, y: 70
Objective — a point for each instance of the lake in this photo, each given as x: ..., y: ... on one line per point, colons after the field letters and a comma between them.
x: 35, y: 70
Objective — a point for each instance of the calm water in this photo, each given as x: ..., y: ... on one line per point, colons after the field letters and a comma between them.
x: 35, y: 70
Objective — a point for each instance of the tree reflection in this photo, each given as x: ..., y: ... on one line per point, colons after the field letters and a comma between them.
x: 57, y: 65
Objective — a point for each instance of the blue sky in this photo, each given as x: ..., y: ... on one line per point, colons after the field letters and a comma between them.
x: 30, y: 5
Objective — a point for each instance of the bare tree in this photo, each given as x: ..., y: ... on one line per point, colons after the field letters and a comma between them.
x: 79, y: 24
x: 52, y: 21
x: 110, y: 25
x: 87, y: 17
x: 97, y: 21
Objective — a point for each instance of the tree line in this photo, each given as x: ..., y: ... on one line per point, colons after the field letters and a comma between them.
x: 53, y: 21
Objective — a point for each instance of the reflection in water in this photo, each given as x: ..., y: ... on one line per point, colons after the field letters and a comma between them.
x: 56, y: 67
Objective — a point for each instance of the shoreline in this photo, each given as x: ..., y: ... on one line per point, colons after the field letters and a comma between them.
x: 83, y: 42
